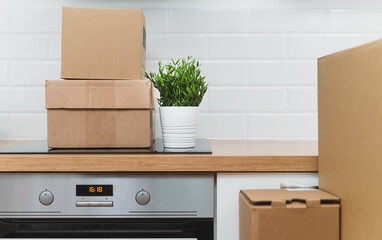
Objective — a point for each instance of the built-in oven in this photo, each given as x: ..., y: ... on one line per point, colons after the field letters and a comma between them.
x: 83, y: 205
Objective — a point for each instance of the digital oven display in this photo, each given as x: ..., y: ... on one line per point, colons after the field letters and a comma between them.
x: 94, y: 190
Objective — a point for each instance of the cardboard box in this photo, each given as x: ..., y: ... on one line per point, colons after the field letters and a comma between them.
x: 102, y: 43
x: 350, y: 136
x: 99, y: 114
x: 288, y: 215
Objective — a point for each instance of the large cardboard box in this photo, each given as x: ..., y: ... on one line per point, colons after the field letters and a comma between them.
x: 350, y: 137
x: 288, y: 215
x: 99, y: 43
x: 99, y: 114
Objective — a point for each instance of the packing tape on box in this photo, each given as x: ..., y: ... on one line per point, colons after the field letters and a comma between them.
x: 96, y: 91
x: 278, y: 203
x: 308, y: 203
x: 313, y: 203
x: 100, y: 124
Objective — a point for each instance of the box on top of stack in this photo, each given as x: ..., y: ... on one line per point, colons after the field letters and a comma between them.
x: 106, y: 103
x: 103, y: 43
x: 270, y: 214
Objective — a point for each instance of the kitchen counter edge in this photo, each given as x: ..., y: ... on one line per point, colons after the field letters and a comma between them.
x: 227, y: 156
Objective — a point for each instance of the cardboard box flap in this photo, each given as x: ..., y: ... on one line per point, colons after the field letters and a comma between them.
x: 281, y: 197
x: 296, y: 220
x: 376, y: 45
x: 98, y: 94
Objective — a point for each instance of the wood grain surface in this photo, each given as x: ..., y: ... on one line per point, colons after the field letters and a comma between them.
x: 227, y: 156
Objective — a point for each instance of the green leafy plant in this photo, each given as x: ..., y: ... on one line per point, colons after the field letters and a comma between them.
x: 179, y: 83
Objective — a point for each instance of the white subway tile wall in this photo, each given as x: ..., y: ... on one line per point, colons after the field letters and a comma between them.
x: 225, y: 73
x: 313, y: 46
x: 282, y: 73
x: 206, y: 21
x: 22, y: 100
x: 247, y: 99
x: 246, y: 46
x: 4, y: 20
x: 5, y: 126
x: 345, y: 21
x: 259, y: 57
x: 288, y: 21
x: 302, y: 99
x: 32, y: 72
x: 23, y: 47
x: 54, y: 43
x: 44, y: 20
x: 222, y: 125
x: 35, y: 122
x: 3, y: 73
x: 156, y: 20
x: 166, y: 46
x: 271, y: 126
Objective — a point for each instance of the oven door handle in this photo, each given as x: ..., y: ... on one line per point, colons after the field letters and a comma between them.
x: 202, y: 229
x: 6, y: 228
x: 54, y: 233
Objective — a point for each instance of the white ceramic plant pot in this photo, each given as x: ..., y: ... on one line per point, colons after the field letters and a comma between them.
x: 179, y: 126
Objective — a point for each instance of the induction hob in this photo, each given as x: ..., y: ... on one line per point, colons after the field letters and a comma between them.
x: 41, y: 147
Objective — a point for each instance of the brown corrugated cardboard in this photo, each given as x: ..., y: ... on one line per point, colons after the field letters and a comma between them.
x: 99, y: 43
x: 99, y: 128
x: 101, y: 94
x: 350, y: 136
x: 99, y: 114
x: 288, y: 215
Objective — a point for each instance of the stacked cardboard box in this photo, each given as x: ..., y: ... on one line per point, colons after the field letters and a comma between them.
x: 349, y: 161
x: 282, y: 214
x: 103, y: 43
x: 103, y: 101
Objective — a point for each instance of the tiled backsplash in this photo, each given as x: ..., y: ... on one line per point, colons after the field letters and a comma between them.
x: 259, y: 57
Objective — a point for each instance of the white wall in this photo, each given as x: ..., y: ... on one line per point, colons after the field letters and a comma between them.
x: 259, y: 57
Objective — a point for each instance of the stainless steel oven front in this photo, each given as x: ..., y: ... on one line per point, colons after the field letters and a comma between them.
x: 87, y: 205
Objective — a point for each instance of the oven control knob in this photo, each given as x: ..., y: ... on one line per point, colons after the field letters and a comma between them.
x: 142, y: 197
x: 46, y: 198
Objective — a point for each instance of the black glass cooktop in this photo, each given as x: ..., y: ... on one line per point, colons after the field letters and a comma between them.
x: 41, y: 147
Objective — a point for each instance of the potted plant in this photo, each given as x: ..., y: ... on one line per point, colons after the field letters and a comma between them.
x: 182, y: 88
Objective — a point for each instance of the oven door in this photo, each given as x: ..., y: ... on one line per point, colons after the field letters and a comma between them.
x: 200, y: 229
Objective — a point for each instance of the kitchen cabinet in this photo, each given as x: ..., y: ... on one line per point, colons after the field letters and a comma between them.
x: 228, y: 186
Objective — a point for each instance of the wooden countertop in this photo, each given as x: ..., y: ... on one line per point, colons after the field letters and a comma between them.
x: 227, y: 156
